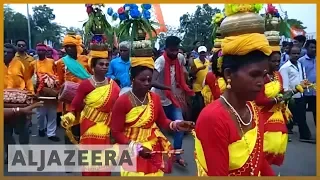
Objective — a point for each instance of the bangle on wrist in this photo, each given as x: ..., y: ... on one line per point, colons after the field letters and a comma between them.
x: 171, y: 125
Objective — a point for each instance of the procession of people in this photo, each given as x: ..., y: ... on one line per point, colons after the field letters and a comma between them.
x: 239, y: 100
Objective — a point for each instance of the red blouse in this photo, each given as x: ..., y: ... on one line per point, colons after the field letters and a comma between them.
x: 83, y: 90
x: 212, y: 82
x: 123, y: 106
x: 216, y: 131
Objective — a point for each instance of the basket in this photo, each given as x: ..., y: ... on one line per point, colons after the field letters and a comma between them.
x: 242, y: 23
x: 147, y: 52
x: 16, y: 96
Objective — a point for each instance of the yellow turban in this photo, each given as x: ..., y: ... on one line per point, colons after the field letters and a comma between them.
x: 142, y: 61
x: 73, y: 40
x: 97, y: 54
x: 245, y: 43
x: 275, y: 48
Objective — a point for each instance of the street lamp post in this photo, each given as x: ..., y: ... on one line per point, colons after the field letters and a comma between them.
x: 29, y: 29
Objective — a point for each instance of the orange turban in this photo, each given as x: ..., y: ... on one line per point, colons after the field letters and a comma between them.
x: 245, y: 43
x: 142, y: 61
x: 76, y: 40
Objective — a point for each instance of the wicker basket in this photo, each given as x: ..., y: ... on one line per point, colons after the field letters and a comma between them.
x: 242, y: 23
x: 147, y: 52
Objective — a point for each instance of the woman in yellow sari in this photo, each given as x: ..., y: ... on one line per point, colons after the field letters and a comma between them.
x: 136, y: 116
x: 94, y: 100
x: 274, y: 111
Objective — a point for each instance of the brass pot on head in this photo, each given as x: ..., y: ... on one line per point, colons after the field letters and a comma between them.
x: 242, y: 23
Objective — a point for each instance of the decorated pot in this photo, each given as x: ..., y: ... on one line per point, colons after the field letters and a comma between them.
x: 141, y: 35
x: 275, y: 21
x: 242, y: 23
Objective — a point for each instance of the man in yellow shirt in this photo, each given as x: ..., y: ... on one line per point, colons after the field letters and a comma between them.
x: 21, y: 78
x: 45, y: 68
x: 199, y: 70
x: 20, y: 66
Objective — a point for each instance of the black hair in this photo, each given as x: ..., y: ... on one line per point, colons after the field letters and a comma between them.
x: 300, y: 38
x: 214, y: 61
x: 135, y: 71
x: 234, y: 62
x: 10, y: 46
x: 181, y: 48
x: 275, y: 52
x: 310, y: 41
x: 285, y: 43
x: 172, y: 41
x: 295, y: 45
x: 21, y: 40
x: 94, y: 62
x: 195, y: 42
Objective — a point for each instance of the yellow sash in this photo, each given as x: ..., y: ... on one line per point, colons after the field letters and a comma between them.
x: 276, y: 142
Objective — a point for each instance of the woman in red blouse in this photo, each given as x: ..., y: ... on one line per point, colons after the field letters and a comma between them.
x: 229, y: 132
x: 135, y: 120
x: 94, y: 99
x: 211, y: 90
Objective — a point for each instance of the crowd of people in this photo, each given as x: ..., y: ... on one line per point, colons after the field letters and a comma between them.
x: 237, y: 100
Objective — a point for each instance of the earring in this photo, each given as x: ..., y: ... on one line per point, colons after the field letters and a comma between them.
x: 228, y: 84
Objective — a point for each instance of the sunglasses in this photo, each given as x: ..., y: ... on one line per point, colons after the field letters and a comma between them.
x: 21, y: 45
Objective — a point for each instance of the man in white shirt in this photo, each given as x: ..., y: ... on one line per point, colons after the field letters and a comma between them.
x: 292, y: 75
x: 169, y: 83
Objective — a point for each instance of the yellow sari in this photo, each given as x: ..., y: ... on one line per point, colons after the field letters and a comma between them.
x: 275, y: 118
x: 142, y: 128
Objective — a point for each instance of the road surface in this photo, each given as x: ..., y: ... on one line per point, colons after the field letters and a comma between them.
x: 300, y: 159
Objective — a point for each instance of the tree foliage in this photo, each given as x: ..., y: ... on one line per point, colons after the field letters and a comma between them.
x: 198, y: 26
x: 42, y: 26
x: 171, y: 31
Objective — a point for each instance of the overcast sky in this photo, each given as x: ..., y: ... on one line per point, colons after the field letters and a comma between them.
x: 75, y: 14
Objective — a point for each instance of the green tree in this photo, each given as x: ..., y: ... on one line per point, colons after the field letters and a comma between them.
x: 198, y: 26
x: 15, y: 25
x: 171, y: 31
x: 41, y: 26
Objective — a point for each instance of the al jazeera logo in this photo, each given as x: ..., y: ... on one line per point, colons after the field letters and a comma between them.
x: 71, y: 158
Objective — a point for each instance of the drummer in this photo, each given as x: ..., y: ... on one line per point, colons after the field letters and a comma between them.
x: 72, y: 67
x: 45, y: 70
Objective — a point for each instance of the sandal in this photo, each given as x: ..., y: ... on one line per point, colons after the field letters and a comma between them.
x: 181, y: 162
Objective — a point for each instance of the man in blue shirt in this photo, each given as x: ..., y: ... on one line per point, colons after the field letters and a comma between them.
x: 309, y: 63
x: 119, y: 67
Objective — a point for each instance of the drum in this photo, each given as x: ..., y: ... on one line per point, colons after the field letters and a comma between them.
x: 47, y: 86
x: 16, y: 97
x: 68, y: 91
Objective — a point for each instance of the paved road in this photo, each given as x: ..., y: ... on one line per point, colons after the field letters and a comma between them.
x: 300, y: 159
